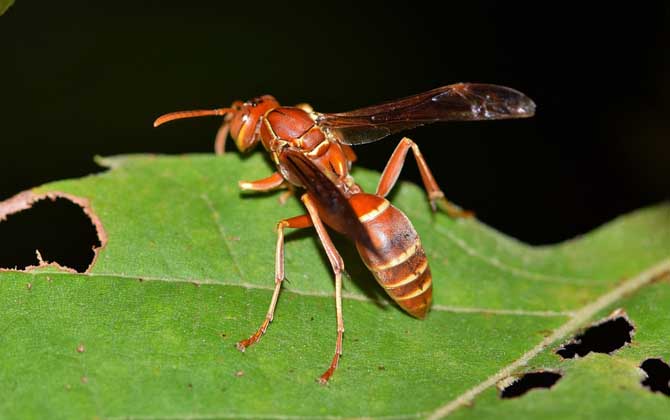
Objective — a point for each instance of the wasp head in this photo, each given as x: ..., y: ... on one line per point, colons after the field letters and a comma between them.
x: 242, y: 118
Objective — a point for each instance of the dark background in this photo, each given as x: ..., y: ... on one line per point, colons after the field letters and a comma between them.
x: 80, y: 80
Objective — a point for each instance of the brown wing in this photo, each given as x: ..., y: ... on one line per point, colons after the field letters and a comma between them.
x: 340, y: 215
x: 459, y: 102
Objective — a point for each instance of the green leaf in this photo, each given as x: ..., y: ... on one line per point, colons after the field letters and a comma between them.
x: 4, y: 5
x: 188, y: 270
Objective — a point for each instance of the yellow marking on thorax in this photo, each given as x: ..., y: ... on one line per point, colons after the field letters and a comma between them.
x: 408, y: 279
x: 406, y: 254
x: 366, y: 217
x: 317, y: 151
x: 268, y: 125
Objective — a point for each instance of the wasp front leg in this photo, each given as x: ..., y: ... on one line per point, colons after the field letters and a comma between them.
x: 270, y: 183
x: 435, y: 194
x: 338, y: 267
x: 220, y: 139
x: 297, y: 222
x: 273, y: 182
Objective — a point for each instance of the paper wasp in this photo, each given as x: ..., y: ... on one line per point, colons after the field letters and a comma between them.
x: 311, y: 150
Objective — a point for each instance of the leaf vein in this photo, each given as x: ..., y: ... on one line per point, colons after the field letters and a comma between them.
x: 345, y: 295
x: 532, y: 275
x: 581, y: 316
x: 264, y: 416
x: 216, y: 216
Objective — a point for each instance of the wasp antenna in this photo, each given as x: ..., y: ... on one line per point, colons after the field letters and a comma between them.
x: 190, y: 114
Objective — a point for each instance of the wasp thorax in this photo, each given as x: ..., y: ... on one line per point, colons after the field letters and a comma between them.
x: 244, y: 124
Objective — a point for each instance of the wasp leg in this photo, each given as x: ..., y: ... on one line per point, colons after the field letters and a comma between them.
x: 338, y: 267
x: 221, y: 136
x: 435, y: 194
x: 284, y: 196
x: 297, y: 222
x: 272, y: 182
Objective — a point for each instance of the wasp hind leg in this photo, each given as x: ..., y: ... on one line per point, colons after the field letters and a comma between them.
x: 338, y: 267
x: 435, y: 194
x: 297, y: 222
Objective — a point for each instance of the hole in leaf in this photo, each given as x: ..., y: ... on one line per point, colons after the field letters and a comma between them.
x: 658, y: 375
x: 604, y: 337
x: 53, y: 230
x: 531, y: 380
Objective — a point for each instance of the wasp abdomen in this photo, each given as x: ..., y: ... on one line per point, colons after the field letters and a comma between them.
x: 395, y: 255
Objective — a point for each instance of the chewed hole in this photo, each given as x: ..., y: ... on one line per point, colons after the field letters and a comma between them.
x: 58, y: 229
x: 527, y: 382
x: 658, y: 375
x: 604, y: 337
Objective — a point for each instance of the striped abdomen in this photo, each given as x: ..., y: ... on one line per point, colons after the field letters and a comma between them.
x: 398, y: 261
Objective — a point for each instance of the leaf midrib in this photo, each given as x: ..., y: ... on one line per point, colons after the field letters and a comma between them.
x: 251, y: 286
x: 584, y: 314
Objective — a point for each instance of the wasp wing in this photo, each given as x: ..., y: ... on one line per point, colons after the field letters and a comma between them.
x: 331, y: 200
x: 458, y: 102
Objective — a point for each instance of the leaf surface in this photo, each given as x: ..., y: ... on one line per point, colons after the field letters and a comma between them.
x: 188, y: 270
x: 4, y: 5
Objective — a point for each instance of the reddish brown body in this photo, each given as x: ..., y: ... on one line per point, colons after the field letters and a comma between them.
x: 311, y: 150
x: 400, y: 264
x: 294, y: 127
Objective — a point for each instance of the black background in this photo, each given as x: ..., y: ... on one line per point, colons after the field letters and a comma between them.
x: 80, y: 79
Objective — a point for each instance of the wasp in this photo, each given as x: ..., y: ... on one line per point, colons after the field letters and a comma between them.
x: 312, y: 151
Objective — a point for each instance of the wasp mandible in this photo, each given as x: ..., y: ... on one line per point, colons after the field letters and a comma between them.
x: 312, y: 151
